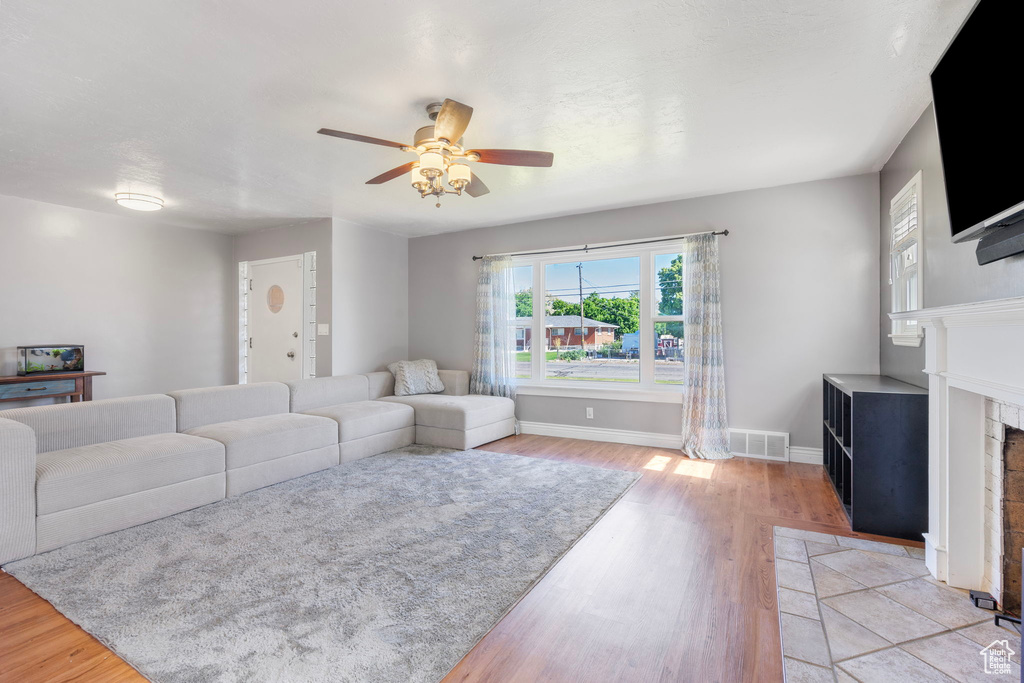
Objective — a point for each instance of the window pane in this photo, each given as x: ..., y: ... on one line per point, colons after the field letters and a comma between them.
x: 522, y: 278
x: 668, y: 353
x: 592, y: 349
x: 668, y: 284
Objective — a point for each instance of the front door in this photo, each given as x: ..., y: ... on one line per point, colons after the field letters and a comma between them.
x: 275, y: 320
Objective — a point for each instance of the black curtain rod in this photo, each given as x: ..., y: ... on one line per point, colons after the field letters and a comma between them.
x: 724, y: 233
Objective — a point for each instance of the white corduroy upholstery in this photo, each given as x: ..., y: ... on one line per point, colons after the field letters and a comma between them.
x: 200, y: 407
x: 71, y: 425
x: 376, y: 444
x: 17, y: 491
x: 310, y: 394
x: 457, y: 412
x: 367, y: 418
x: 88, y: 521
x: 463, y: 439
x: 381, y: 384
x: 259, y: 439
x: 244, y: 479
x: 456, y: 382
x: 90, y: 474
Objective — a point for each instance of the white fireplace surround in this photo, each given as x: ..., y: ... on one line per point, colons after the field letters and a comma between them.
x: 972, y: 352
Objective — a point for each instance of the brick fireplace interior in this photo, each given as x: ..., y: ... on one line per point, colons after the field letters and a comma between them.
x: 1013, y: 517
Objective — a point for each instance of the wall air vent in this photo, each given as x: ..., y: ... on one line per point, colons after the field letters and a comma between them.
x: 751, y: 443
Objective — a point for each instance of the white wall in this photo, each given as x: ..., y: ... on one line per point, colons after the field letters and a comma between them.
x: 152, y: 304
x: 370, y: 298
x: 799, y: 297
x: 288, y: 240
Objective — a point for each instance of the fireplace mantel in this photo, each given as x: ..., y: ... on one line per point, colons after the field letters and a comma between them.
x: 972, y: 351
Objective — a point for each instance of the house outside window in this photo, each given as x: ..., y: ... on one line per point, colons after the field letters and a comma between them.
x: 905, y: 278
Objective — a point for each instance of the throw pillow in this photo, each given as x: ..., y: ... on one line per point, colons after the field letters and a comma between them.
x: 416, y: 377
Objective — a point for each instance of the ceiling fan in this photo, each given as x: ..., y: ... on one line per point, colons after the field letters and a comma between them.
x: 439, y: 150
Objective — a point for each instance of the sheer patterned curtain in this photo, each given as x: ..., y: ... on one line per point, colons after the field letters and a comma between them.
x: 494, y: 362
x: 705, y: 424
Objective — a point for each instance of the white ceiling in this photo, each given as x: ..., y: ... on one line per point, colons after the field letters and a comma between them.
x: 214, y: 105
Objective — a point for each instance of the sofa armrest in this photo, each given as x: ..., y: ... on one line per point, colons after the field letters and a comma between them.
x: 17, y: 491
x: 456, y: 382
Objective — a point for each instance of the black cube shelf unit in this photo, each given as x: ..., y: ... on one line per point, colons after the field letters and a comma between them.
x: 876, y: 452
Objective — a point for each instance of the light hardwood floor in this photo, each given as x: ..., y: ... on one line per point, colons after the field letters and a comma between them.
x: 675, y: 583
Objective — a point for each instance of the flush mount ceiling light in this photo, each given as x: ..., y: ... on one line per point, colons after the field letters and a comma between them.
x: 138, y: 202
x: 439, y: 150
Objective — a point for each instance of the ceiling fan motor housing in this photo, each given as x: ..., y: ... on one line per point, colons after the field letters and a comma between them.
x: 433, y: 109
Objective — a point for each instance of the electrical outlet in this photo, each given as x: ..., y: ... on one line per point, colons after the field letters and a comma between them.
x: 323, y: 329
x: 590, y: 413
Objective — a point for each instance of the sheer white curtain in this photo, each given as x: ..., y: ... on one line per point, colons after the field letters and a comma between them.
x: 705, y: 424
x: 494, y: 362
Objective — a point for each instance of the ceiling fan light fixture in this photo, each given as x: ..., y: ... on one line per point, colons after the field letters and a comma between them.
x: 432, y: 164
x: 417, y: 180
x: 459, y: 175
x: 138, y: 202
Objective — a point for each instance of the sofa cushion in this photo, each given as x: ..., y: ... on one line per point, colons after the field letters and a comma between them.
x: 212, y: 405
x: 258, y: 439
x: 70, y: 425
x: 89, y: 474
x: 367, y: 418
x: 457, y: 412
x: 322, y: 392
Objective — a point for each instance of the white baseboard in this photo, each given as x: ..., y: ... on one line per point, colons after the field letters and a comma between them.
x: 810, y: 456
x: 601, y: 434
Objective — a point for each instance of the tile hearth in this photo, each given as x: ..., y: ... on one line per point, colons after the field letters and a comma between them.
x: 859, y: 610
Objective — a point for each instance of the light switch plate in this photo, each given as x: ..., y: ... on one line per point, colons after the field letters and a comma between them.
x: 323, y: 329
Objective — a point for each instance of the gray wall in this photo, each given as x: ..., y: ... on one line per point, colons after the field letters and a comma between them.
x: 371, y: 298
x: 799, y: 297
x: 951, y: 273
x: 152, y: 304
x: 297, y: 239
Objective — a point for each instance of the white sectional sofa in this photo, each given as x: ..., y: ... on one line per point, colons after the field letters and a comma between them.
x: 74, y: 471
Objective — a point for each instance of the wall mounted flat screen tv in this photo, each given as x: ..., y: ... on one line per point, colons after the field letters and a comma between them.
x: 981, y: 122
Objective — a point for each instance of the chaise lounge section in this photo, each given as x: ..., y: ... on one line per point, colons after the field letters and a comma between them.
x: 453, y: 418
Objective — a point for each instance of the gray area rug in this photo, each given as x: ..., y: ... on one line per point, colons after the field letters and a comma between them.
x: 385, y: 569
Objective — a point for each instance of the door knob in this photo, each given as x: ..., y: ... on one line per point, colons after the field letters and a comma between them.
x: 295, y: 334
x: 291, y: 354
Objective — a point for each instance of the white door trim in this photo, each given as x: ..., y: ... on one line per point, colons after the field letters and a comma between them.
x: 308, y: 312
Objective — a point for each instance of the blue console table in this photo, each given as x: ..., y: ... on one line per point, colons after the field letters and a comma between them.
x: 76, y: 386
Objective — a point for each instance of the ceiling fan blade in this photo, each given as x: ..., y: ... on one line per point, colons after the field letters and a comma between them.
x: 514, y: 157
x: 452, y: 120
x: 392, y: 174
x: 476, y: 187
x: 360, y: 138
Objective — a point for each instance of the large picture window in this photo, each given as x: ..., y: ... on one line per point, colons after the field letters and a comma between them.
x: 608, y: 318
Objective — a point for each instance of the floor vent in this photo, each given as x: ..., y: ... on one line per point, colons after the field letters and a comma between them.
x: 751, y: 443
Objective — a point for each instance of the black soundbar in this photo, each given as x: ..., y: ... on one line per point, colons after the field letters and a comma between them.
x: 1000, y: 244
